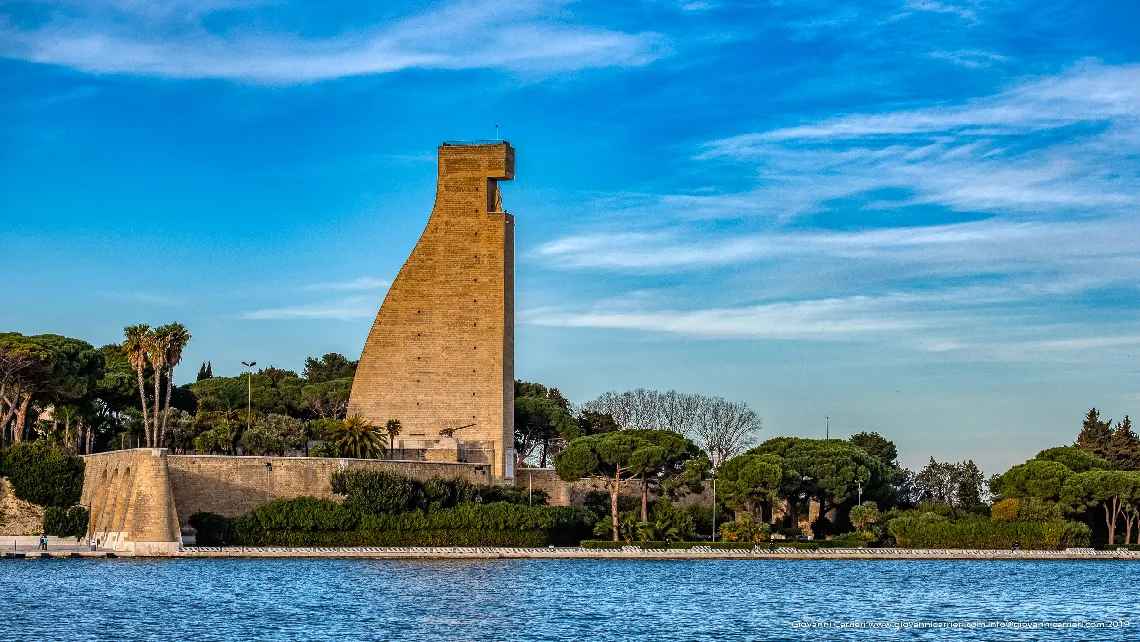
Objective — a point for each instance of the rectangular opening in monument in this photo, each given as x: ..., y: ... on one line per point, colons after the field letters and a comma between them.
x: 494, y: 200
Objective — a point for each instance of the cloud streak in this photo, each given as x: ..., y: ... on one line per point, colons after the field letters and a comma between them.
x: 344, y: 309
x: 148, y: 38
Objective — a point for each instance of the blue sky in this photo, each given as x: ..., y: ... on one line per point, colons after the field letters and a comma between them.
x: 912, y: 217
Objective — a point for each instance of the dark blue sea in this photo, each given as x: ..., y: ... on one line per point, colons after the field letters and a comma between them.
x: 126, y: 599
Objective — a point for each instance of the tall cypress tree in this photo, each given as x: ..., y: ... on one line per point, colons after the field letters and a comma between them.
x: 206, y: 371
x: 1124, y: 452
x: 1096, y: 435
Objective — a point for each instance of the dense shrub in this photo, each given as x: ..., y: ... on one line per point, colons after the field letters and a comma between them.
x: 304, y: 514
x: 1005, y: 510
x: 212, y: 529
x: 744, y: 529
x: 368, y: 490
x: 65, y: 522
x: 851, y: 540
x: 306, y: 521
x: 660, y: 545
x: 44, y: 475
x: 928, y: 530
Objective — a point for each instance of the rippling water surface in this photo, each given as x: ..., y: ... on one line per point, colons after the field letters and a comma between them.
x: 563, y: 600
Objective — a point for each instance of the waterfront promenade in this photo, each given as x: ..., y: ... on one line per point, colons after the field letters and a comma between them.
x: 626, y: 553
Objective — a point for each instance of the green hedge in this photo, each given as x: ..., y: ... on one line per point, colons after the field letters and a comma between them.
x: 451, y: 537
x: 44, y: 475
x: 932, y: 531
x: 65, y: 522
x: 648, y: 545
x: 306, y: 521
x: 368, y: 490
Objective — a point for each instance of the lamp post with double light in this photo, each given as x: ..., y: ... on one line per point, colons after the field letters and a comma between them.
x: 249, y: 394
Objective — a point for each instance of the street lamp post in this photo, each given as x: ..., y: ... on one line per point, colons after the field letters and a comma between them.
x: 713, y: 476
x: 860, y: 482
x: 249, y: 394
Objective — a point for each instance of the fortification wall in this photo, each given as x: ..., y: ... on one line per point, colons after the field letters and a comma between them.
x: 129, y: 496
x: 440, y: 353
x: 232, y: 486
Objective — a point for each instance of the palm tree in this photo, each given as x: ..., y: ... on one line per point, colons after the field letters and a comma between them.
x: 392, y: 428
x: 158, y: 344
x: 356, y: 437
x: 177, y: 337
x: 136, y: 347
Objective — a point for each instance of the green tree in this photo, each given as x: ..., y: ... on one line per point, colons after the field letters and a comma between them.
x: 541, y: 423
x: 1096, y: 435
x: 44, y: 475
x: 747, y: 481
x: 955, y: 485
x: 827, y: 470
x: 595, y: 423
x: 863, y: 515
x: 174, y: 337
x: 1043, y: 479
x: 393, y: 429
x: 328, y: 399
x: 665, y: 459
x: 329, y: 367
x: 1110, y: 489
x: 136, y: 346
x: 358, y: 438
x: 1074, y: 459
x: 24, y: 366
x: 273, y: 434
x: 206, y: 371
x: 1124, y: 446
x: 611, y: 457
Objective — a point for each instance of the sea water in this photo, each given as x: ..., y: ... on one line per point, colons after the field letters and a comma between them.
x: 329, y: 599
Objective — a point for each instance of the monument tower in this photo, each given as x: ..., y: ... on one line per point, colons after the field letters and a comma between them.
x: 440, y: 355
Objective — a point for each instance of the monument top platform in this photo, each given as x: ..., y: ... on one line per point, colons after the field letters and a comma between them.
x: 470, y: 143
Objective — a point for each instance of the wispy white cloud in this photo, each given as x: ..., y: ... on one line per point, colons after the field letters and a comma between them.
x: 968, y: 15
x: 969, y: 58
x: 962, y: 248
x: 145, y: 297
x: 828, y: 319
x: 348, y: 308
x: 362, y: 283
x: 1089, y: 92
x: 159, y: 39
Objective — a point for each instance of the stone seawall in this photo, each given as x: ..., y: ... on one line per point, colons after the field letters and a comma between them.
x: 234, y: 485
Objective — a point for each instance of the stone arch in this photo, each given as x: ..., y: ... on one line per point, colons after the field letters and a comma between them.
x: 120, y: 519
x: 98, y: 499
x: 108, y: 508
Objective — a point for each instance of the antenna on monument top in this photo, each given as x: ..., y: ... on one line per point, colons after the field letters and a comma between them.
x: 497, y: 132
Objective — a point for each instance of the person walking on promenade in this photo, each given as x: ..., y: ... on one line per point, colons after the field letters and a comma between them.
x: 43, y: 542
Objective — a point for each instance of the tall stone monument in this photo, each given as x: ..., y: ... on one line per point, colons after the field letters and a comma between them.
x: 440, y: 355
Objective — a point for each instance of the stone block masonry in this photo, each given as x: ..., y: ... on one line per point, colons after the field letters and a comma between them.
x: 141, y: 499
x: 232, y: 486
x: 129, y: 497
x: 440, y: 354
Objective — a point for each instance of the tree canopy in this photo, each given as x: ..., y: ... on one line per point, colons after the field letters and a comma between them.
x: 827, y: 470
x: 330, y: 366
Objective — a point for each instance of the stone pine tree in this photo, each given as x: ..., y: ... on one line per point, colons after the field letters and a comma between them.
x: 613, y: 457
x: 1096, y: 435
